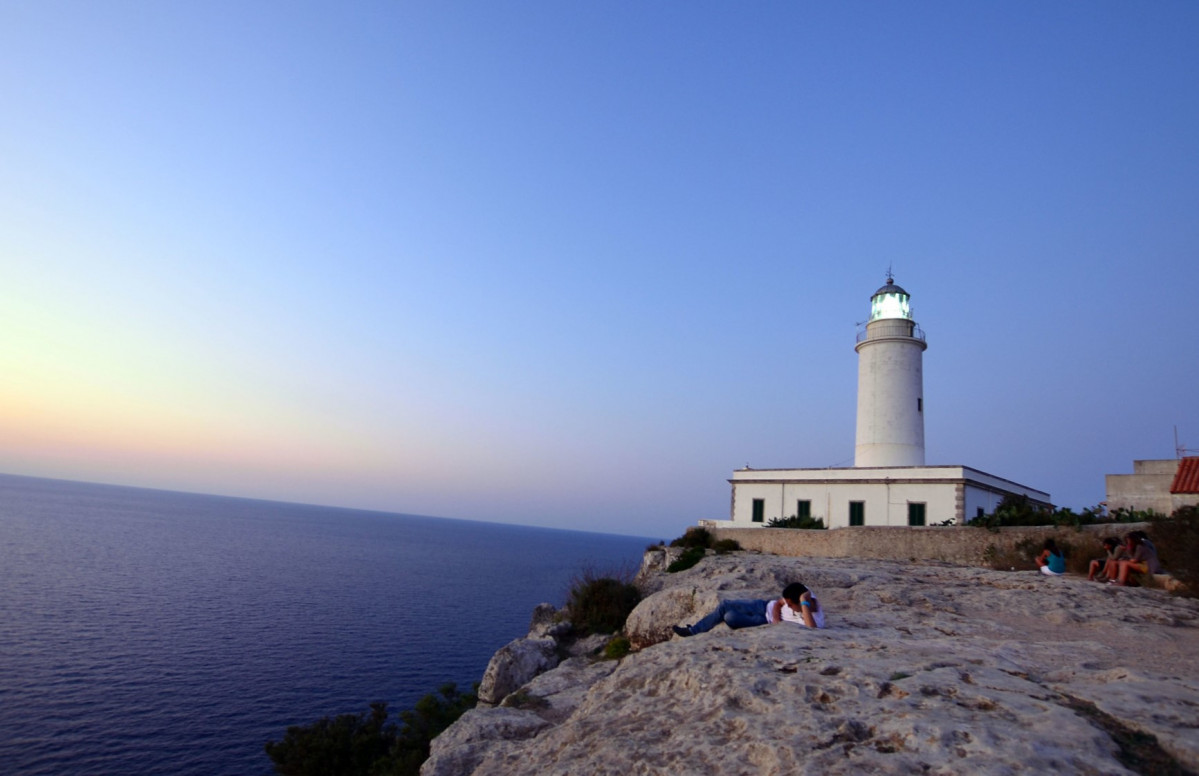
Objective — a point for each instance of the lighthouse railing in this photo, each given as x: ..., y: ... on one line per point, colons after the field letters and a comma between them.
x: 891, y: 332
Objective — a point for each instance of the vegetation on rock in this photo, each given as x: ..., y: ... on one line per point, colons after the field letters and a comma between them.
x: 690, y: 557
x: 617, y: 648
x: 368, y: 744
x: 702, y: 538
x: 694, y: 537
x: 600, y: 604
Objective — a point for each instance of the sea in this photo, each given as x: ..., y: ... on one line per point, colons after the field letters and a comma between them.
x: 154, y: 632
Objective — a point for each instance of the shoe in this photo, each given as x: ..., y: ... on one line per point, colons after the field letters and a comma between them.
x: 682, y: 631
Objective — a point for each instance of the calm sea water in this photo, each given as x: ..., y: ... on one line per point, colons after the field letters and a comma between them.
x: 146, y: 632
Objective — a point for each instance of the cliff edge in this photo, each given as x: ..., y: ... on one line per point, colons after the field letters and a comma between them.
x: 924, y: 668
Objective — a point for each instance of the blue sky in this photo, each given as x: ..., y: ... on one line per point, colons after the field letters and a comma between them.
x: 571, y: 264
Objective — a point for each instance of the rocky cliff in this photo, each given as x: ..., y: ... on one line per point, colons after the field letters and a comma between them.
x: 924, y: 668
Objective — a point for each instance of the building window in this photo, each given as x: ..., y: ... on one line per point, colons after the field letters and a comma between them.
x: 915, y: 514
x: 803, y: 509
x: 920, y: 404
x: 759, y: 510
x: 857, y: 513
x: 981, y: 512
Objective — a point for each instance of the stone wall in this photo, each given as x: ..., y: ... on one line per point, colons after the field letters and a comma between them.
x: 955, y: 544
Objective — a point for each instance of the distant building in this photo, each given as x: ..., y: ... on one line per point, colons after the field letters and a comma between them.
x: 889, y: 483
x: 1159, y: 485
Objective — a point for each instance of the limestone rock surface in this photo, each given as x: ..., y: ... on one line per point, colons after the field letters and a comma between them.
x: 924, y: 668
x: 514, y: 665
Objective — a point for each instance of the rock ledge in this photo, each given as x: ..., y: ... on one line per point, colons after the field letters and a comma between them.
x: 924, y: 668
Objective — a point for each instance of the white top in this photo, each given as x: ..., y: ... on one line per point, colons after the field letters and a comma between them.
x: 790, y: 615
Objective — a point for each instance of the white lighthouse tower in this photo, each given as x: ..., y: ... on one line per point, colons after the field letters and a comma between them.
x: 890, y: 383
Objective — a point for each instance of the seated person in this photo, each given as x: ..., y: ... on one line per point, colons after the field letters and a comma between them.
x: 1105, y: 568
x: 797, y: 604
x: 1051, y: 560
x: 1142, y: 558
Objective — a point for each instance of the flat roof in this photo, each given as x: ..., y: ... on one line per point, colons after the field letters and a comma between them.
x: 847, y: 474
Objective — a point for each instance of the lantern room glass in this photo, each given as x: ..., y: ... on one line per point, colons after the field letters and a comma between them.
x: 890, y: 305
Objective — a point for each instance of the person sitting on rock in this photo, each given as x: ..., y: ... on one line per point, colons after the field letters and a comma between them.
x: 797, y: 605
x: 1142, y: 558
x: 1051, y: 560
x: 1103, y: 569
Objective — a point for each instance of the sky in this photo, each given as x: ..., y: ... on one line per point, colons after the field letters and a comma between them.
x: 571, y: 264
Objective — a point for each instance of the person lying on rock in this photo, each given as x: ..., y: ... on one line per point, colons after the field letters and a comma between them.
x: 797, y: 605
x: 1051, y: 560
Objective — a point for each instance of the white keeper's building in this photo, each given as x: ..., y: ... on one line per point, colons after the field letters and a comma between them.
x: 888, y: 483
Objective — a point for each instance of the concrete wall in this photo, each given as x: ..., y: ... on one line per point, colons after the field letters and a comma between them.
x: 1148, y: 487
x: 954, y: 544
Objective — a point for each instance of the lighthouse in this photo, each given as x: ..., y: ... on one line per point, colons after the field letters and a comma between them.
x: 890, y: 430
x: 889, y: 483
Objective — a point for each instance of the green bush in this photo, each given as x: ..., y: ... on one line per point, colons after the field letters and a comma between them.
x: 726, y: 545
x: 694, y: 537
x: 617, y: 648
x: 1177, y: 541
x: 368, y: 744
x: 809, y: 523
x: 600, y: 604
x: 689, y: 558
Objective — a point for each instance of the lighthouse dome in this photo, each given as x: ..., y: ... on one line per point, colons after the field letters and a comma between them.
x: 891, y: 288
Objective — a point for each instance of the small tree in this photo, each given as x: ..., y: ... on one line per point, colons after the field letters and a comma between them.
x: 421, y: 724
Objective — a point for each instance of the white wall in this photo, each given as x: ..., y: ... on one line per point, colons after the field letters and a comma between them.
x: 948, y: 492
x: 885, y: 504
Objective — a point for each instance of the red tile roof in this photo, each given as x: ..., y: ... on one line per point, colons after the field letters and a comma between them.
x: 1186, y: 479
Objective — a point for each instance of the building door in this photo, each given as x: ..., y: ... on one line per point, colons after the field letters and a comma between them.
x: 857, y: 513
x: 915, y: 514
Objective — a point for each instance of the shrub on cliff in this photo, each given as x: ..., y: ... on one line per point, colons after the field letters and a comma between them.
x: 1177, y: 541
x: 600, y: 604
x: 702, y: 538
x: 726, y: 545
x: 694, y: 537
x: 421, y: 724
x: 690, y: 557
x: 368, y: 744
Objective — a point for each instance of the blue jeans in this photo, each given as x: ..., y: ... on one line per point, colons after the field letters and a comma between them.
x: 735, y: 614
